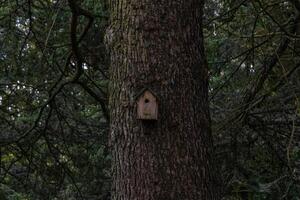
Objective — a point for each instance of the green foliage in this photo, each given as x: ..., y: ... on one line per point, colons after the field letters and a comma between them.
x: 7, y: 193
x: 254, y: 125
x: 54, y: 152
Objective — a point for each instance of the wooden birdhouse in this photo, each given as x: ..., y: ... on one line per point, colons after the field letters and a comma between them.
x: 147, y: 105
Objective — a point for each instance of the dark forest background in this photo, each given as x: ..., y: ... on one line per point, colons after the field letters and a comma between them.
x: 54, y: 123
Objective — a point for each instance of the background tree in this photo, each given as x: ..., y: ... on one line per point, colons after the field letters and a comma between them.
x: 53, y: 134
x: 254, y: 95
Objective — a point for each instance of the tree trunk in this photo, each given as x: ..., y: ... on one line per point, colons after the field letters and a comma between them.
x: 159, y: 45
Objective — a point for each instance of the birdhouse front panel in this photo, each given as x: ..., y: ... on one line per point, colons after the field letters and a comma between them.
x: 147, y: 107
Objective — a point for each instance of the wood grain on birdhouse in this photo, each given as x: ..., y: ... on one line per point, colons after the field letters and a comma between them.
x: 147, y: 106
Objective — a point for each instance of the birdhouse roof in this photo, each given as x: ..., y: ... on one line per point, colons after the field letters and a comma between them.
x: 143, y: 91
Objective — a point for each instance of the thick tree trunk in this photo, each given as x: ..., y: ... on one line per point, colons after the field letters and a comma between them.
x: 159, y: 45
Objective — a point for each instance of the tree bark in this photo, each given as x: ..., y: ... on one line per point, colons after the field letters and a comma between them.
x: 159, y: 45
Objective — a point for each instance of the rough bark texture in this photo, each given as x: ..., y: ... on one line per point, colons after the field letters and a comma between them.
x: 159, y: 45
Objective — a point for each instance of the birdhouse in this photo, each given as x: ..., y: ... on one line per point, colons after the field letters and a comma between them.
x: 147, y: 105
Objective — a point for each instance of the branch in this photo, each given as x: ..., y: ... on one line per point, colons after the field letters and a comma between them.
x: 268, y: 66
